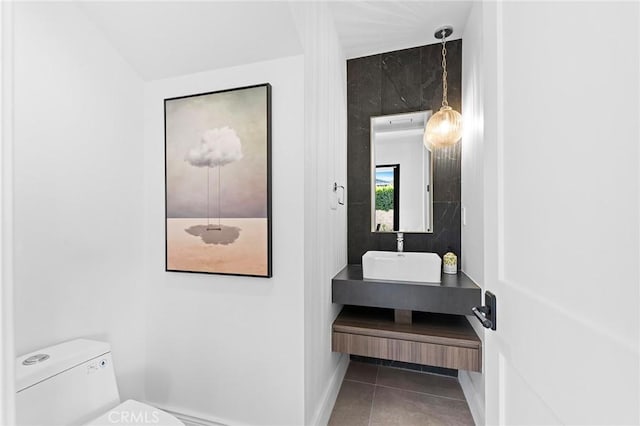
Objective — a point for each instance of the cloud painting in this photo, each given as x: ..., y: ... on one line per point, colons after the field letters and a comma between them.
x: 217, y: 147
x: 217, y: 182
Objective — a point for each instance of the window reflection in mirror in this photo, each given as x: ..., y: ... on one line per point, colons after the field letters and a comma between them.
x: 400, y: 202
x: 387, y: 198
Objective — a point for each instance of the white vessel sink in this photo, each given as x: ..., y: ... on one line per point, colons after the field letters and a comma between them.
x: 395, y: 266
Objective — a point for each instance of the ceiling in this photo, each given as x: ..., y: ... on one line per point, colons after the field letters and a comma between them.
x: 370, y: 27
x: 165, y: 39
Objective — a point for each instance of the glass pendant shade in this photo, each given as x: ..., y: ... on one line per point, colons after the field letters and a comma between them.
x: 444, y: 128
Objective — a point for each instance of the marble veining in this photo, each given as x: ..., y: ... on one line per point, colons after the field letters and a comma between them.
x: 392, y: 83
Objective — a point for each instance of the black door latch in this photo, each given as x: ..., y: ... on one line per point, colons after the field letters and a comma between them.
x: 487, y: 314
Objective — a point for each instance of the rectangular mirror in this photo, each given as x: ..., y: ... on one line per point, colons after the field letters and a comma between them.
x: 401, y: 174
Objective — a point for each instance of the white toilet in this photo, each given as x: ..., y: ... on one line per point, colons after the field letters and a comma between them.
x: 74, y: 383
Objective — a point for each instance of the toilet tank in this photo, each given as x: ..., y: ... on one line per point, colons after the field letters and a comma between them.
x: 67, y: 384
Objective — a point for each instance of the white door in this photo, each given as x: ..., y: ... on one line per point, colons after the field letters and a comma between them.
x: 562, y: 212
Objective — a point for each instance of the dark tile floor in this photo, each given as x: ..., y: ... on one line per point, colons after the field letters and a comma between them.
x: 374, y: 395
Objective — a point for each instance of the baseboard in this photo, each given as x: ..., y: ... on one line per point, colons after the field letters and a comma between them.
x: 331, y: 393
x: 474, y: 400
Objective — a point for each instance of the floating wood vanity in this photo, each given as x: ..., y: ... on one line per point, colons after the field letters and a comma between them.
x: 378, y: 323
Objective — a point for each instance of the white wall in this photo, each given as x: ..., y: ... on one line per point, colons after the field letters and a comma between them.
x: 410, y: 154
x: 78, y: 180
x: 7, y: 354
x: 225, y: 348
x: 325, y: 234
x: 90, y: 230
x: 473, y: 185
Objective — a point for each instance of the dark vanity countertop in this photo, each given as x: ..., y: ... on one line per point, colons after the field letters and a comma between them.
x: 456, y: 294
x: 459, y: 280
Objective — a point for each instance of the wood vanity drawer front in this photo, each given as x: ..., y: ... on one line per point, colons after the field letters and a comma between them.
x: 448, y: 356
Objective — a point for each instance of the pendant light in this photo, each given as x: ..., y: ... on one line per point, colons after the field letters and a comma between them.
x: 444, y: 128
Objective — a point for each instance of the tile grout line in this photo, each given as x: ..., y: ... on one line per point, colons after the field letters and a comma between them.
x: 402, y: 389
x: 410, y: 370
x: 375, y: 385
x: 422, y: 393
x: 359, y: 381
x: 406, y: 390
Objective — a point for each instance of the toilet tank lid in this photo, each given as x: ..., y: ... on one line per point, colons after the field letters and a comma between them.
x: 61, y: 357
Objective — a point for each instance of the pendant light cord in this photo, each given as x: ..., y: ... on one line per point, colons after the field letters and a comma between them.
x: 445, y: 101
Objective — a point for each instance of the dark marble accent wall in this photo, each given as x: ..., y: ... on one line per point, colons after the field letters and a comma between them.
x: 390, y: 83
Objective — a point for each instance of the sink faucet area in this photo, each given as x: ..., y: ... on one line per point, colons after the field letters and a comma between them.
x: 402, y: 266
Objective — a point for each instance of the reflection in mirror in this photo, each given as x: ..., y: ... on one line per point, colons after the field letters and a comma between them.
x: 400, y: 202
x: 387, y: 197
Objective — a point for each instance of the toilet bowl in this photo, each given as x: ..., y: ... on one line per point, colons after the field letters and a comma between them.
x: 74, y: 383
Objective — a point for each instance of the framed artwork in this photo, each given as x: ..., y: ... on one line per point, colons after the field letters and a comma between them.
x: 218, y: 182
